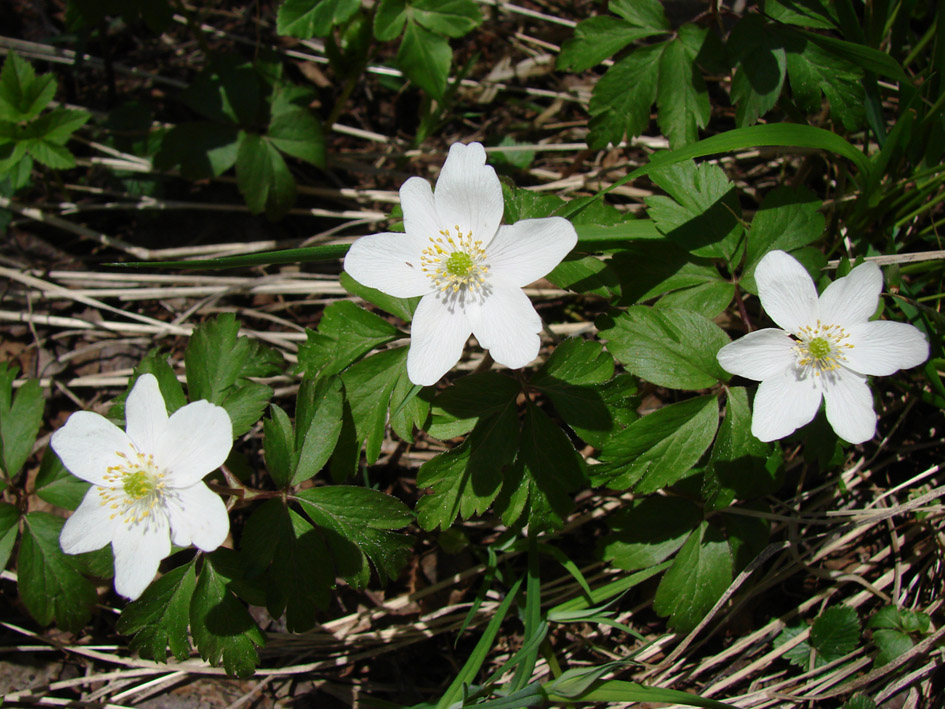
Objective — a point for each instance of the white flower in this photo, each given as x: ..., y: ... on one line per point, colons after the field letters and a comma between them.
x: 826, y: 348
x: 469, y: 270
x: 146, y: 482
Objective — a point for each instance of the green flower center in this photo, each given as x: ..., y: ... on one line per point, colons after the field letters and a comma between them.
x: 459, y: 263
x: 821, y: 347
x: 138, y: 484
x: 455, y: 262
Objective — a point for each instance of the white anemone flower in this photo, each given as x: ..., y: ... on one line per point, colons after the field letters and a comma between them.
x: 147, y: 488
x: 826, y: 348
x: 469, y: 269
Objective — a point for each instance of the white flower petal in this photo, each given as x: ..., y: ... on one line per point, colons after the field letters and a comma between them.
x: 853, y: 298
x: 849, y: 405
x: 139, y: 548
x: 759, y: 355
x: 437, y: 336
x: 786, y: 290
x: 88, y: 444
x: 196, y: 441
x: 882, y: 347
x: 530, y: 249
x: 420, y: 218
x: 507, y: 325
x: 197, y: 516
x: 389, y: 262
x: 468, y: 193
x: 90, y: 527
x: 783, y: 404
x: 145, y: 413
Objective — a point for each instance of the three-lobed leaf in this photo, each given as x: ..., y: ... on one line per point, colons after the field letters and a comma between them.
x: 682, y: 96
x: 313, y: 18
x: 263, y: 177
x: 160, y: 617
x: 620, y: 104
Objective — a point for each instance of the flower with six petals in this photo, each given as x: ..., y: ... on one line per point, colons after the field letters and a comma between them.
x: 469, y: 269
x: 147, y: 488
x: 825, y: 348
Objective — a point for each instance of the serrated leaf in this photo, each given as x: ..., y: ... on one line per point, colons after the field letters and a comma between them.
x: 551, y: 471
x: 425, y: 58
x: 49, y: 154
x: 698, y: 577
x: 21, y: 415
x: 701, y: 214
x: 409, y: 408
x: 760, y: 68
x: 363, y: 521
x: 586, y: 274
x: 669, y: 347
x: 346, y: 333
x: 223, y: 630
x: 738, y: 466
x: 218, y: 363
x: 798, y: 655
x: 313, y: 18
x: 57, y: 126
x: 747, y: 536
x: 298, y: 133
x: 369, y: 385
x: 787, y: 219
x: 9, y: 528
x: 597, y: 39
x: 659, y: 449
x: 682, y: 96
x: 835, y: 632
x: 263, y: 177
x: 649, y: 531
x: 467, y: 479
x: 22, y: 94
x: 318, y: 430
x: 457, y: 409
x: 159, y: 618
x: 453, y: 18
x: 814, y: 71
x: 49, y: 583
x: 402, y: 308
x: 56, y: 485
x: 809, y: 13
x: 891, y: 644
x: 279, y: 446
x: 642, y: 13
x: 154, y: 362
x: 389, y: 19
x: 202, y: 149
x: 620, y: 104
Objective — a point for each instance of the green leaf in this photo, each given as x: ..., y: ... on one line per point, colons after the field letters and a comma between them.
x: 454, y: 18
x: 9, y: 528
x: 202, y: 149
x: 659, y: 449
x: 761, y: 63
x: 229, y: 91
x: 551, y: 470
x: 298, y: 133
x: 682, y: 96
x: 425, y: 58
x: 649, y: 531
x: 159, y: 618
x: 697, y: 579
x: 809, y: 13
x: 279, y: 446
x: 369, y: 385
x: 56, y: 485
x: 702, y: 213
x: 154, y: 362
x: 813, y: 71
x: 318, y: 426
x: 21, y: 415
x: 891, y: 644
x: 22, y: 94
x: 798, y: 655
x: 313, y: 18
x: 859, y: 701
x: 457, y: 409
x: 49, y: 154
x: 262, y: 176
x: 389, y: 19
x: 403, y: 308
x: 346, y: 333
x: 597, y: 39
x: 218, y: 364
x: 620, y: 104
x: 586, y: 274
x: 464, y: 481
x: 669, y: 347
x: 363, y: 521
x: 787, y: 219
x: 292, y: 561
x: 835, y: 633
x: 222, y: 628
x: 49, y: 582
x: 58, y: 125
x: 642, y: 13
x: 747, y: 536
x: 739, y: 464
